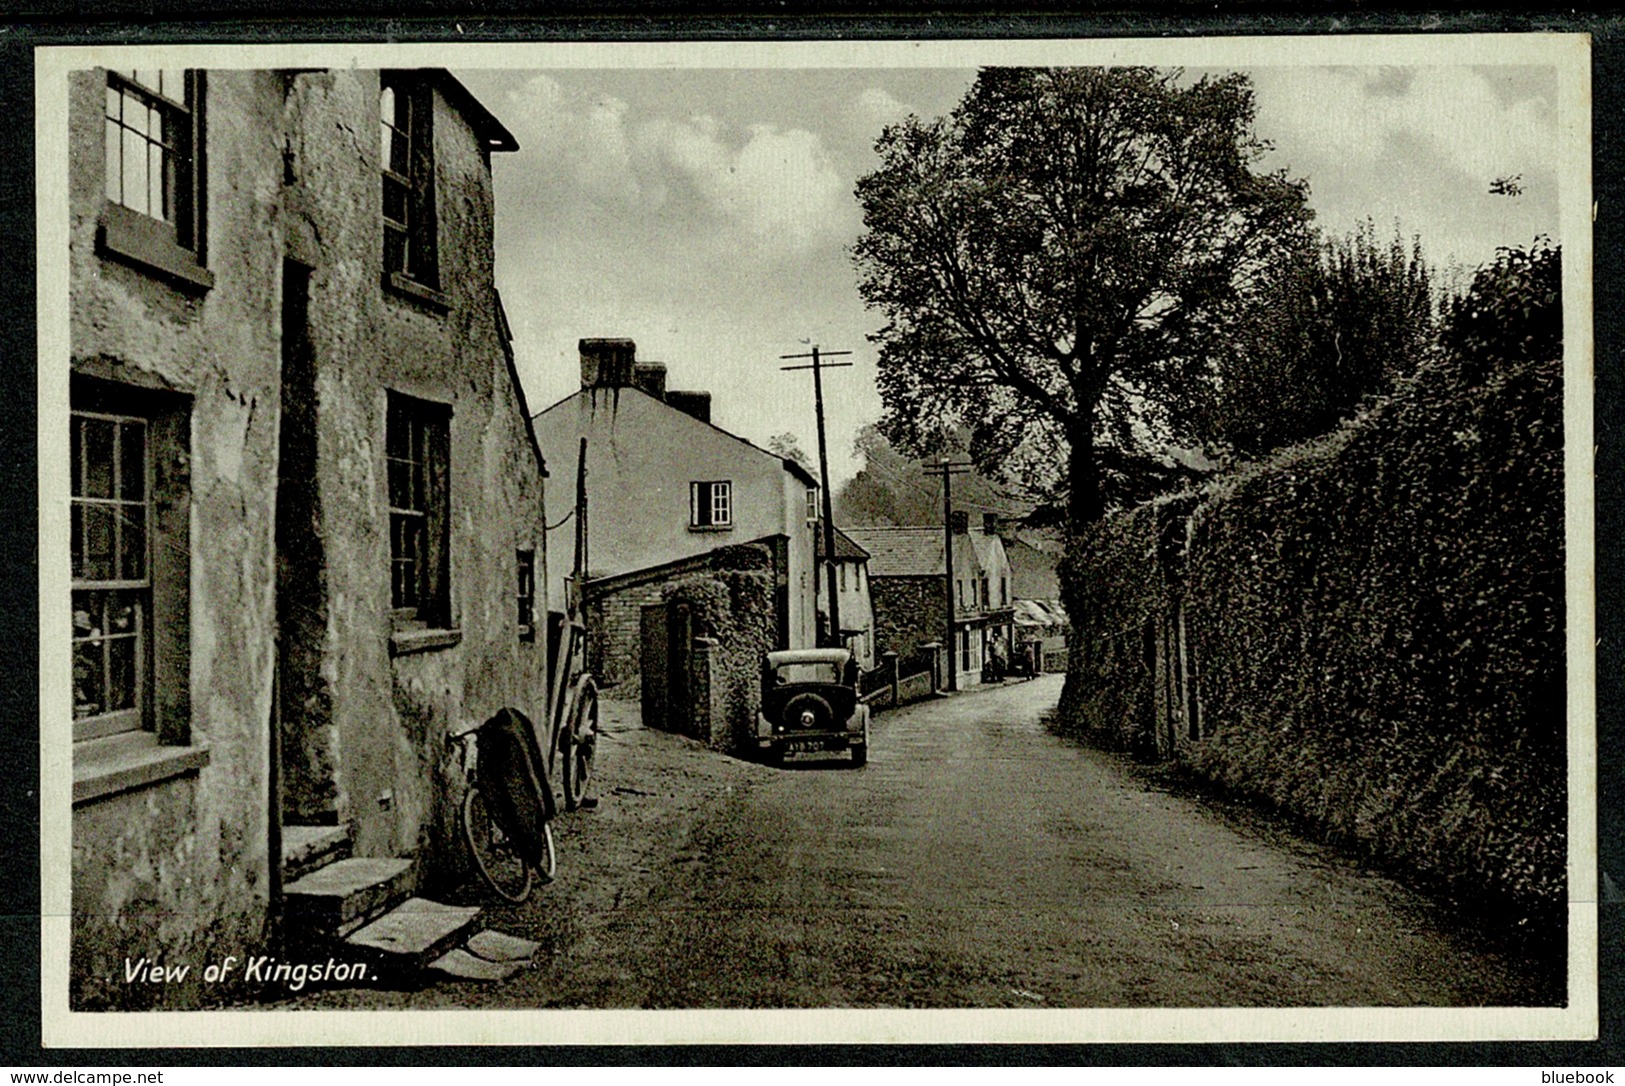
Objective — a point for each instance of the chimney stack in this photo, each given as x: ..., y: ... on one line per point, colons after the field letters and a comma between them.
x: 650, y: 377
x: 990, y: 523
x: 607, y: 363
x: 697, y: 404
x: 959, y: 522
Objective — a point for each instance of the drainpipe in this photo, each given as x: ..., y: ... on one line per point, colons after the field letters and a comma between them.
x: 273, y: 781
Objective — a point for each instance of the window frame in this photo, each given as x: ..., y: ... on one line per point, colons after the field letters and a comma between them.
x: 172, y: 245
x: 166, y: 713
x: 710, y: 505
x: 138, y: 715
x: 428, y: 506
x: 416, y: 272
x: 525, y: 561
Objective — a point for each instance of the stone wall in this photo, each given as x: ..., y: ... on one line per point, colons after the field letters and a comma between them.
x: 614, y: 610
x: 613, y: 648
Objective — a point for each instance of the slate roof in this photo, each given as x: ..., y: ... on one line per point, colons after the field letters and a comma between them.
x: 844, y: 546
x: 901, y: 552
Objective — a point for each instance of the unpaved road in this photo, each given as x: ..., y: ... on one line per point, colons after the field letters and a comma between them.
x: 977, y: 861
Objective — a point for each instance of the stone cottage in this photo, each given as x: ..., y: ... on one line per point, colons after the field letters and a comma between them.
x: 670, y: 494
x: 907, y: 566
x: 307, y: 517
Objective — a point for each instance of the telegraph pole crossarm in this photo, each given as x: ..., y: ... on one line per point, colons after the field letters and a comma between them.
x: 818, y: 365
x: 948, y: 469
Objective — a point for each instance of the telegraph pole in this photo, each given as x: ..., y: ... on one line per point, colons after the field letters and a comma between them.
x: 948, y: 469
x: 818, y: 366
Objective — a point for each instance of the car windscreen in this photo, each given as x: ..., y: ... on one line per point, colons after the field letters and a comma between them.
x: 807, y: 673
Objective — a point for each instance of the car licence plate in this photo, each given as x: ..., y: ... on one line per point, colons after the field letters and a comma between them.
x: 806, y: 746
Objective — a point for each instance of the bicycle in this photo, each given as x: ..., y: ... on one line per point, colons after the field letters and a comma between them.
x: 508, y: 810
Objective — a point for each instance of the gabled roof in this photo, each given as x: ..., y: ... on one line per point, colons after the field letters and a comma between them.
x: 790, y: 465
x: 901, y: 552
x: 844, y: 546
x: 984, y: 545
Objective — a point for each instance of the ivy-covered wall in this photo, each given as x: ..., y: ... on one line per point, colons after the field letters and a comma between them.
x: 1113, y: 579
x: 735, y: 608
x: 1373, y: 625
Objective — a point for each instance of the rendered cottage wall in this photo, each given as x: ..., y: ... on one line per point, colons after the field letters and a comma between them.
x: 180, y: 868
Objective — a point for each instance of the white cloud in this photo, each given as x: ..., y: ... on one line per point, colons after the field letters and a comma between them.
x: 777, y: 188
x: 1418, y: 148
x: 583, y: 140
x: 779, y: 185
x: 875, y: 108
x: 1360, y: 115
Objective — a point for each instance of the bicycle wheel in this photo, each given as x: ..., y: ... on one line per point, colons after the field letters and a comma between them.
x: 582, y: 744
x: 499, y: 864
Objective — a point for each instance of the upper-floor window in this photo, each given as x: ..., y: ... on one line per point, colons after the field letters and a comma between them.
x: 416, y: 449
x: 812, y: 505
x: 710, y: 504
x: 406, y: 153
x: 153, y: 170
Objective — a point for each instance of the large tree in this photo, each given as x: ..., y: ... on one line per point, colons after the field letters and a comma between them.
x: 1331, y: 327
x: 1056, y: 259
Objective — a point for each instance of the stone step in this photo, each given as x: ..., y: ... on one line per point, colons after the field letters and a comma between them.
x: 307, y: 849
x: 459, y: 964
x: 341, y: 897
x: 499, y: 946
x: 415, y: 933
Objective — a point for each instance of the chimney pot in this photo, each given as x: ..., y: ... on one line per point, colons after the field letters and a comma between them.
x: 959, y: 522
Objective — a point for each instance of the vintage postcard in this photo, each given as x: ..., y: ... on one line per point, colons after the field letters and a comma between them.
x: 832, y: 541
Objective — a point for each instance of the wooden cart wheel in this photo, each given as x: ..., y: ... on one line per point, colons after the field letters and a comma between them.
x: 578, y: 742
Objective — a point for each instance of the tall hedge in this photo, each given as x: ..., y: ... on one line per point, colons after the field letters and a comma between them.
x: 1379, y: 616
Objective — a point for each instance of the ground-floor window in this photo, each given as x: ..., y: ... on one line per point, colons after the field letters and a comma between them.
x: 970, y: 646
x: 129, y: 557
x: 112, y: 593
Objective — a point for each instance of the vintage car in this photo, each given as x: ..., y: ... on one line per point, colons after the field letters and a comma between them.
x: 810, y: 705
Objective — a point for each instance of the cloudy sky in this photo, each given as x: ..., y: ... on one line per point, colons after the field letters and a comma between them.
x: 708, y: 214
